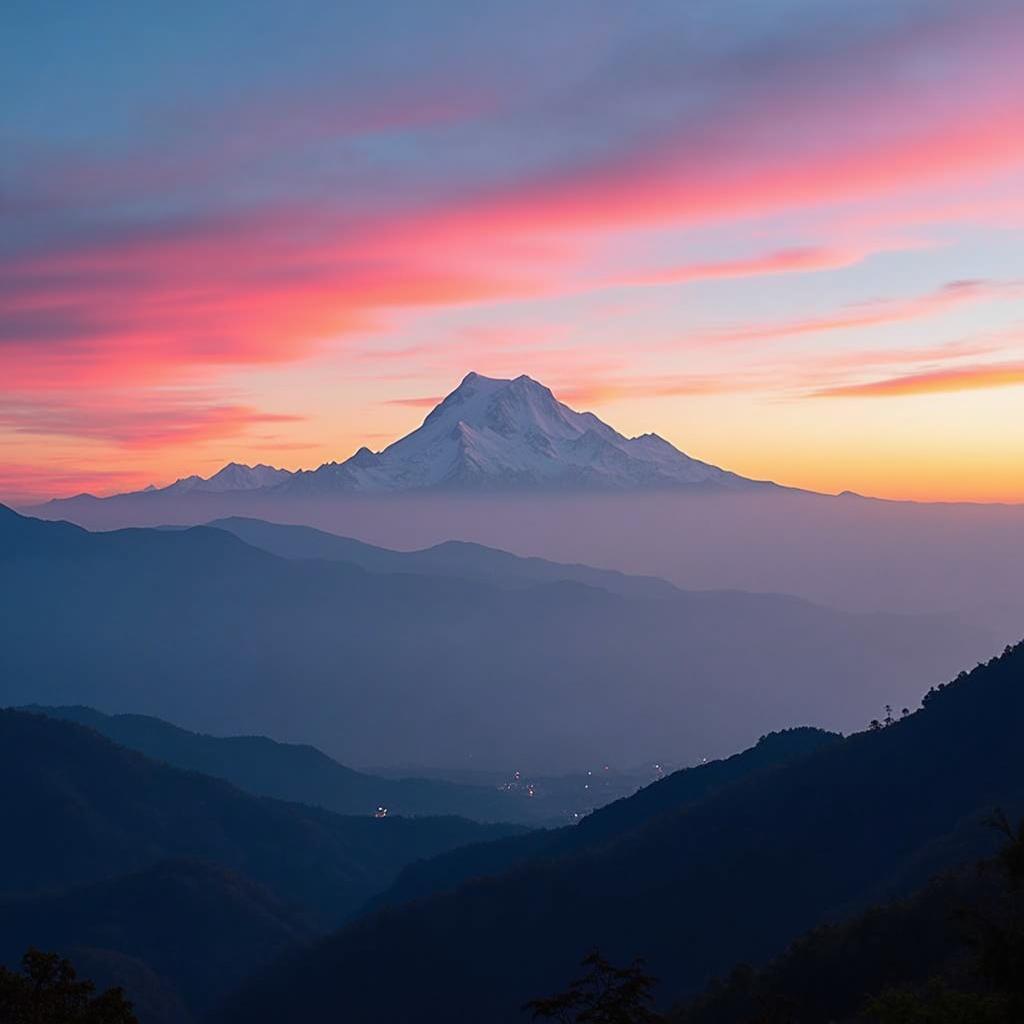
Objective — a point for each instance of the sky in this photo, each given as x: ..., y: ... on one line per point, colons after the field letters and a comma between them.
x: 786, y: 235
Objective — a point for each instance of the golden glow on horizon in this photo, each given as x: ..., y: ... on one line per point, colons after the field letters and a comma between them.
x: 944, y: 450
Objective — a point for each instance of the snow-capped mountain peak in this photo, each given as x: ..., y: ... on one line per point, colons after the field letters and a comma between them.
x: 233, y: 477
x: 492, y: 433
x: 489, y: 434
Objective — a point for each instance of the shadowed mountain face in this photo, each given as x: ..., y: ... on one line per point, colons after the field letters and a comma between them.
x: 120, y: 812
x: 171, y: 883
x: 670, y: 794
x: 178, y: 936
x: 199, y: 628
x: 301, y: 773
x: 729, y: 878
x: 831, y: 972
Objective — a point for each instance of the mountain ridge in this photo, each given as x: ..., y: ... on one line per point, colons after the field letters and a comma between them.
x: 297, y: 773
x: 128, y: 812
x: 199, y: 628
x: 463, y: 559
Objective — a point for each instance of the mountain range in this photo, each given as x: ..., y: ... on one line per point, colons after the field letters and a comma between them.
x: 458, y: 559
x: 492, y: 663
x: 233, y: 477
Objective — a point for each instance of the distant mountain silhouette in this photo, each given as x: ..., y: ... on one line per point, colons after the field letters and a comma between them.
x: 730, y: 878
x: 85, y: 810
x: 300, y: 773
x: 451, y: 558
x: 199, y: 628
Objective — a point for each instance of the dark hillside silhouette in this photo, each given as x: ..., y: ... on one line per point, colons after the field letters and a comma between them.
x: 954, y: 951
x: 86, y: 810
x: 199, y: 931
x: 733, y: 878
x: 668, y: 795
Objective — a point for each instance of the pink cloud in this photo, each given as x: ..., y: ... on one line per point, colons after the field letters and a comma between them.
x: 120, y: 420
x: 23, y: 484
x: 800, y: 259
x: 724, y: 177
x: 826, y: 373
x: 267, y: 287
x: 425, y: 402
x: 873, y: 314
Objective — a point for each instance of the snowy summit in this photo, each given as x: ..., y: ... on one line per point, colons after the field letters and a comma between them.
x: 513, y: 434
x: 233, y: 477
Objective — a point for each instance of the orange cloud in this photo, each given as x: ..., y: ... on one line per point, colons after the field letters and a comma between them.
x: 22, y: 484
x: 597, y: 391
x: 424, y: 402
x: 957, y: 378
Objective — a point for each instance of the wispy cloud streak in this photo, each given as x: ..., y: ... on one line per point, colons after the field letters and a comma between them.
x: 874, y: 314
x: 949, y: 379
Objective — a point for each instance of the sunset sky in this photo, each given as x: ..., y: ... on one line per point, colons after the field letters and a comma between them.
x: 786, y: 235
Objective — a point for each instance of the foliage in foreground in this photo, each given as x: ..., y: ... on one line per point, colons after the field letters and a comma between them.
x: 995, y: 935
x: 47, y: 991
x: 604, y: 995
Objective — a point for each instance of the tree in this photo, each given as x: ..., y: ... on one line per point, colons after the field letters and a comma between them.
x: 48, y: 991
x: 996, y: 935
x: 604, y: 995
x: 999, y: 932
x: 938, y: 1004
